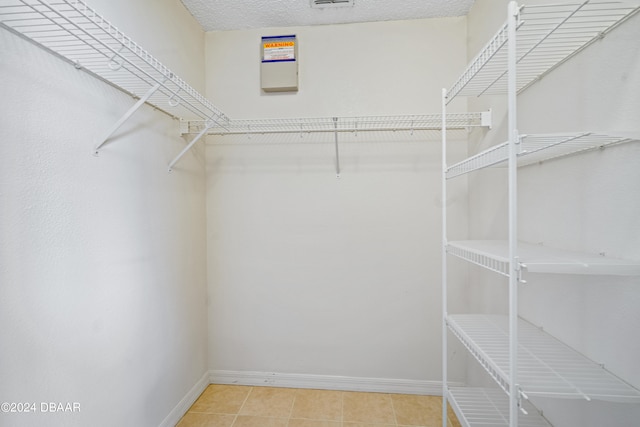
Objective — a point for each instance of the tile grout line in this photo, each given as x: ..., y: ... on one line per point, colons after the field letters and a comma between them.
x: 241, y: 406
x: 342, y: 408
x: 393, y: 409
x: 295, y: 396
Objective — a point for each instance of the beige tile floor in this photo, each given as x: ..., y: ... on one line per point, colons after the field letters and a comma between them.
x: 243, y: 406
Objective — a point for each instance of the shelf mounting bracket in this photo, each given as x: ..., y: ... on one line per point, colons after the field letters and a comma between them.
x: 486, y: 119
x: 127, y: 115
x: 208, y: 125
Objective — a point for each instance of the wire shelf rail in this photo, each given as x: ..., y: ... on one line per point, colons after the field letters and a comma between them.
x: 534, y: 149
x: 547, y: 36
x: 409, y: 123
x: 485, y: 257
x: 547, y: 367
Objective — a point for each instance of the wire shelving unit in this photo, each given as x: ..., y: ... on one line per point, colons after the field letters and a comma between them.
x: 522, y: 359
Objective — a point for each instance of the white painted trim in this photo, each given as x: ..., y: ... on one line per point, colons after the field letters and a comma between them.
x: 327, y: 382
x: 183, y: 406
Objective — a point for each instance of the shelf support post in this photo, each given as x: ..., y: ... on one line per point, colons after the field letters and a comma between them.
x: 514, y: 398
x: 127, y: 115
x: 203, y: 132
x: 445, y: 388
x: 335, y: 132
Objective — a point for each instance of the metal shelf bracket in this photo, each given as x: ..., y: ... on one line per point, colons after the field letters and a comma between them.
x: 126, y: 116
x: 202, y: 133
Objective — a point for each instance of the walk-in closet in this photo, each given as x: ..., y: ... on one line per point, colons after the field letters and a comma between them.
x: 309, y: 213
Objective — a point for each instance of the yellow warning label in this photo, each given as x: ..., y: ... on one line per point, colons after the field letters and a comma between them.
x: 272, y: 45
x: 278, y: 50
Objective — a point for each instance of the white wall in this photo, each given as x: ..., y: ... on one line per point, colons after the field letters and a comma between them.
x: 102, y: 259
x: 588, y: 202
x: 308, y: 273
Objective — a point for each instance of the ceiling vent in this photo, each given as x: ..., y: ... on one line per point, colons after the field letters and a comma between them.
x: 320, y: 4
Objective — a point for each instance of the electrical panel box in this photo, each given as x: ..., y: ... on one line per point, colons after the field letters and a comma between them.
x: 279, y: 66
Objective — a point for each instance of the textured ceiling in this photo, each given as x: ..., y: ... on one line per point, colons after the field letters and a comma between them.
x: 220, y: 15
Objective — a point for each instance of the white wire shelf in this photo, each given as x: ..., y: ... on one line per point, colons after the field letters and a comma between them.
x: 75, y: 32
x: 534, y: 149
x: 481, y: 407
x: 547, y: 367
x: 494, y: 255
x: 409, y: 123
x: 547, y: 36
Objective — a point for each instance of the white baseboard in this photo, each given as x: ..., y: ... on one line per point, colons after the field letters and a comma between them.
x: 183, y: 406
x: 326, y: 382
